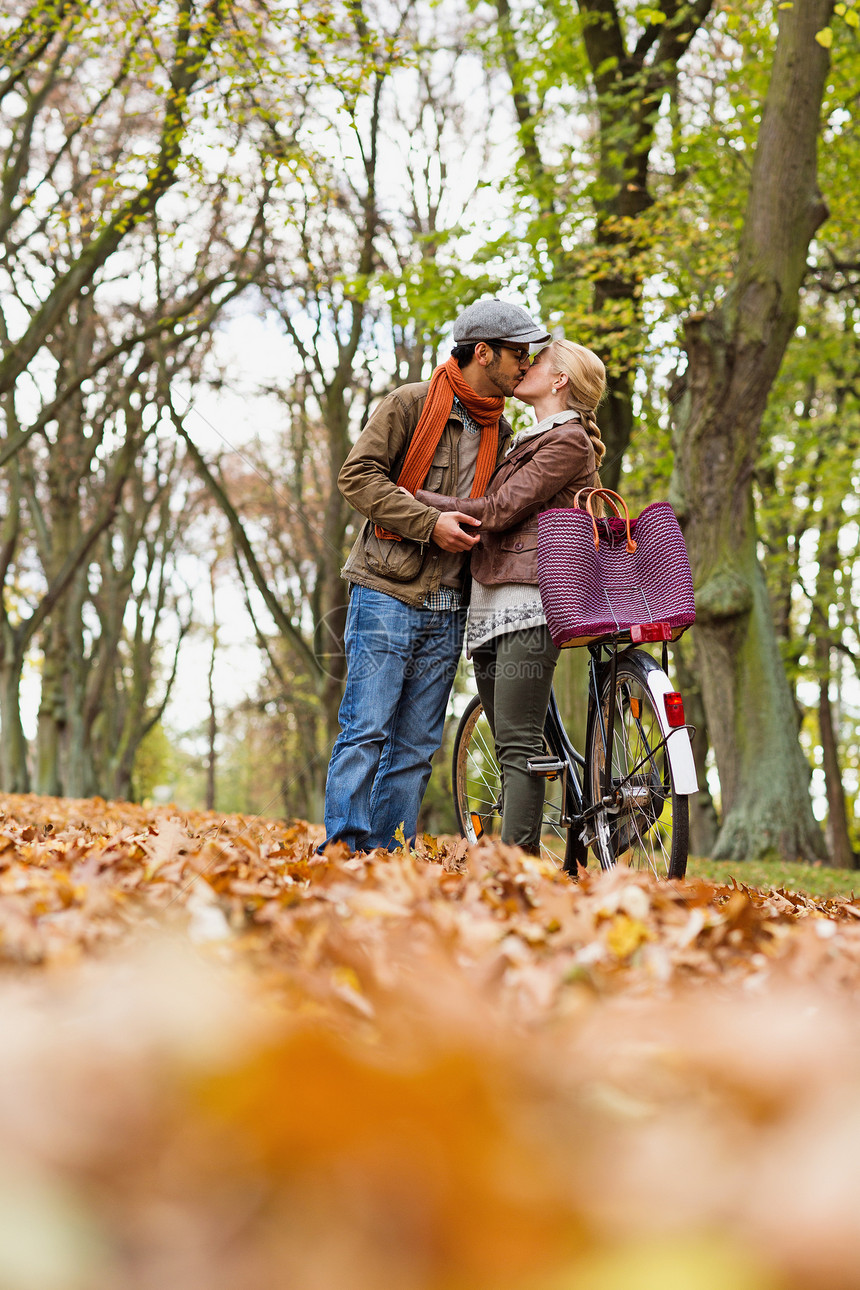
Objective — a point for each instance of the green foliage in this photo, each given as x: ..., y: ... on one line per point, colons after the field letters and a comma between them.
x: 153, y: 763
x: 810, y: 879
x: 423, y: 293
x: 437, y: 809
x: 250, y: 771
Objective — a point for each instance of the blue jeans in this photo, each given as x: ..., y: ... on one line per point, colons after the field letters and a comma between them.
x: 401, y: 663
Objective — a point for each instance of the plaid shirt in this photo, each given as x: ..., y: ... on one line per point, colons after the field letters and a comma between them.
x: 449, y: 598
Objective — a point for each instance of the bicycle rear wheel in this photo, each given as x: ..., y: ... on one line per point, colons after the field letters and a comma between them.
x: 477, y: 784
x: 648, y: 826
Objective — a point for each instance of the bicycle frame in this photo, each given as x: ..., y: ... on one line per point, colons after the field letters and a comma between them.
x: 612, y: 795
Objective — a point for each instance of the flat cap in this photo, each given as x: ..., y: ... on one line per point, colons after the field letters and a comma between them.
x: 497, y: 320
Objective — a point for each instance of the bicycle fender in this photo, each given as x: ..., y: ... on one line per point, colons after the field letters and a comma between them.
x: 678, y: 746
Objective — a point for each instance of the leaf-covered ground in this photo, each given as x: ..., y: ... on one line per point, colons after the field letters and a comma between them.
x: 229, y: 1062
x: 815, y: 879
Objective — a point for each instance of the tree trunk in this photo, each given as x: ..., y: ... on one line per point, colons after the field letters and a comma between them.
x: 616, y: 428
x: 704, y: 822
x: 334, y: 591
x: 52, y: 717
x: 212, y: 725
x: 14, y: 772
x: 840, y: 851
x: 764, y: 777
x: 733, y: 357
x: 79, y: 774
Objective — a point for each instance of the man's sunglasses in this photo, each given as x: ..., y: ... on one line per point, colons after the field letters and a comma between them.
x: 522, y: 352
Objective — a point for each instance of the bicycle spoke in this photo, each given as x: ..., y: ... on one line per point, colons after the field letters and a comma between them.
x: 483, y: 741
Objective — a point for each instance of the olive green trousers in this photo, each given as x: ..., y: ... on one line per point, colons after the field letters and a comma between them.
x: 514, y: 675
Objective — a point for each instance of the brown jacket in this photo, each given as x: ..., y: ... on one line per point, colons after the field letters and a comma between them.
x: 545, y: 471
x: 407, y: 570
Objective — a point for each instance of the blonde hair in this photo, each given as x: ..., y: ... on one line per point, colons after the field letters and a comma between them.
x: 586, y: 386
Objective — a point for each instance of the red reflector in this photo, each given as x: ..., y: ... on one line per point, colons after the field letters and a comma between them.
x: 674, y: 708
x: 640, y: 632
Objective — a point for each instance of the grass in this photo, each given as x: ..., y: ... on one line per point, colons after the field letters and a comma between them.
x: 813, y: 879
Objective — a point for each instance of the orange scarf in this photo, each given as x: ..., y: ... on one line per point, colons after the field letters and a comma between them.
x: 445, y: 382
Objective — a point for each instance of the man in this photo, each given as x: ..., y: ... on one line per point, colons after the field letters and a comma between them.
x: 404, y: 628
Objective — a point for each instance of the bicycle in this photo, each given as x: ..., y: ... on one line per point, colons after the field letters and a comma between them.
x: 630, y: 807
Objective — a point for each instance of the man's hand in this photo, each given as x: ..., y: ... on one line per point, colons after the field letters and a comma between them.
x: 450, y: 536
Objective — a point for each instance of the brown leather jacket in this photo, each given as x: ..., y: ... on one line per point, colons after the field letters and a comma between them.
x: 545, y: 471
x: 410, y: 569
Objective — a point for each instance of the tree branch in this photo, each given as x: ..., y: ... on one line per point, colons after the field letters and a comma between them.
x: 240, y: 538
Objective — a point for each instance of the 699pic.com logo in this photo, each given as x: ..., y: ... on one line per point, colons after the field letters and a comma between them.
x: 329, y: 650
x: 368, y: 654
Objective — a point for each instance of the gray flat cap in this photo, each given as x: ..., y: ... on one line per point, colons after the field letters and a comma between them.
x: 497, y: 320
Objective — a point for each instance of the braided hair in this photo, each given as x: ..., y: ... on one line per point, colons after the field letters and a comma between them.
x: 586, y: 386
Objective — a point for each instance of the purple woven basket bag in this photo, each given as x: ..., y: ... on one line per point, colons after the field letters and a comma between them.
x: 601, y: 576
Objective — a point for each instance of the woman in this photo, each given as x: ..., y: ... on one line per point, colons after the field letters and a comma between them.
x: 507, y: 635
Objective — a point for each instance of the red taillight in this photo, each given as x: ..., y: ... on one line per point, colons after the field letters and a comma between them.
x: 640, y: 632
x: 674, y: 708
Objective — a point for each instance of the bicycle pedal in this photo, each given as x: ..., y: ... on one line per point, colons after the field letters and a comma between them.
x: 545, y: 767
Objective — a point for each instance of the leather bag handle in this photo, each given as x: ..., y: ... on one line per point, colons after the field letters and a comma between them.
x: 605, y: 491
x: 615, y: 500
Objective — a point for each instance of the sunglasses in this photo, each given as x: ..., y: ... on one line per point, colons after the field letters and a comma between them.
x: 522, y: 352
